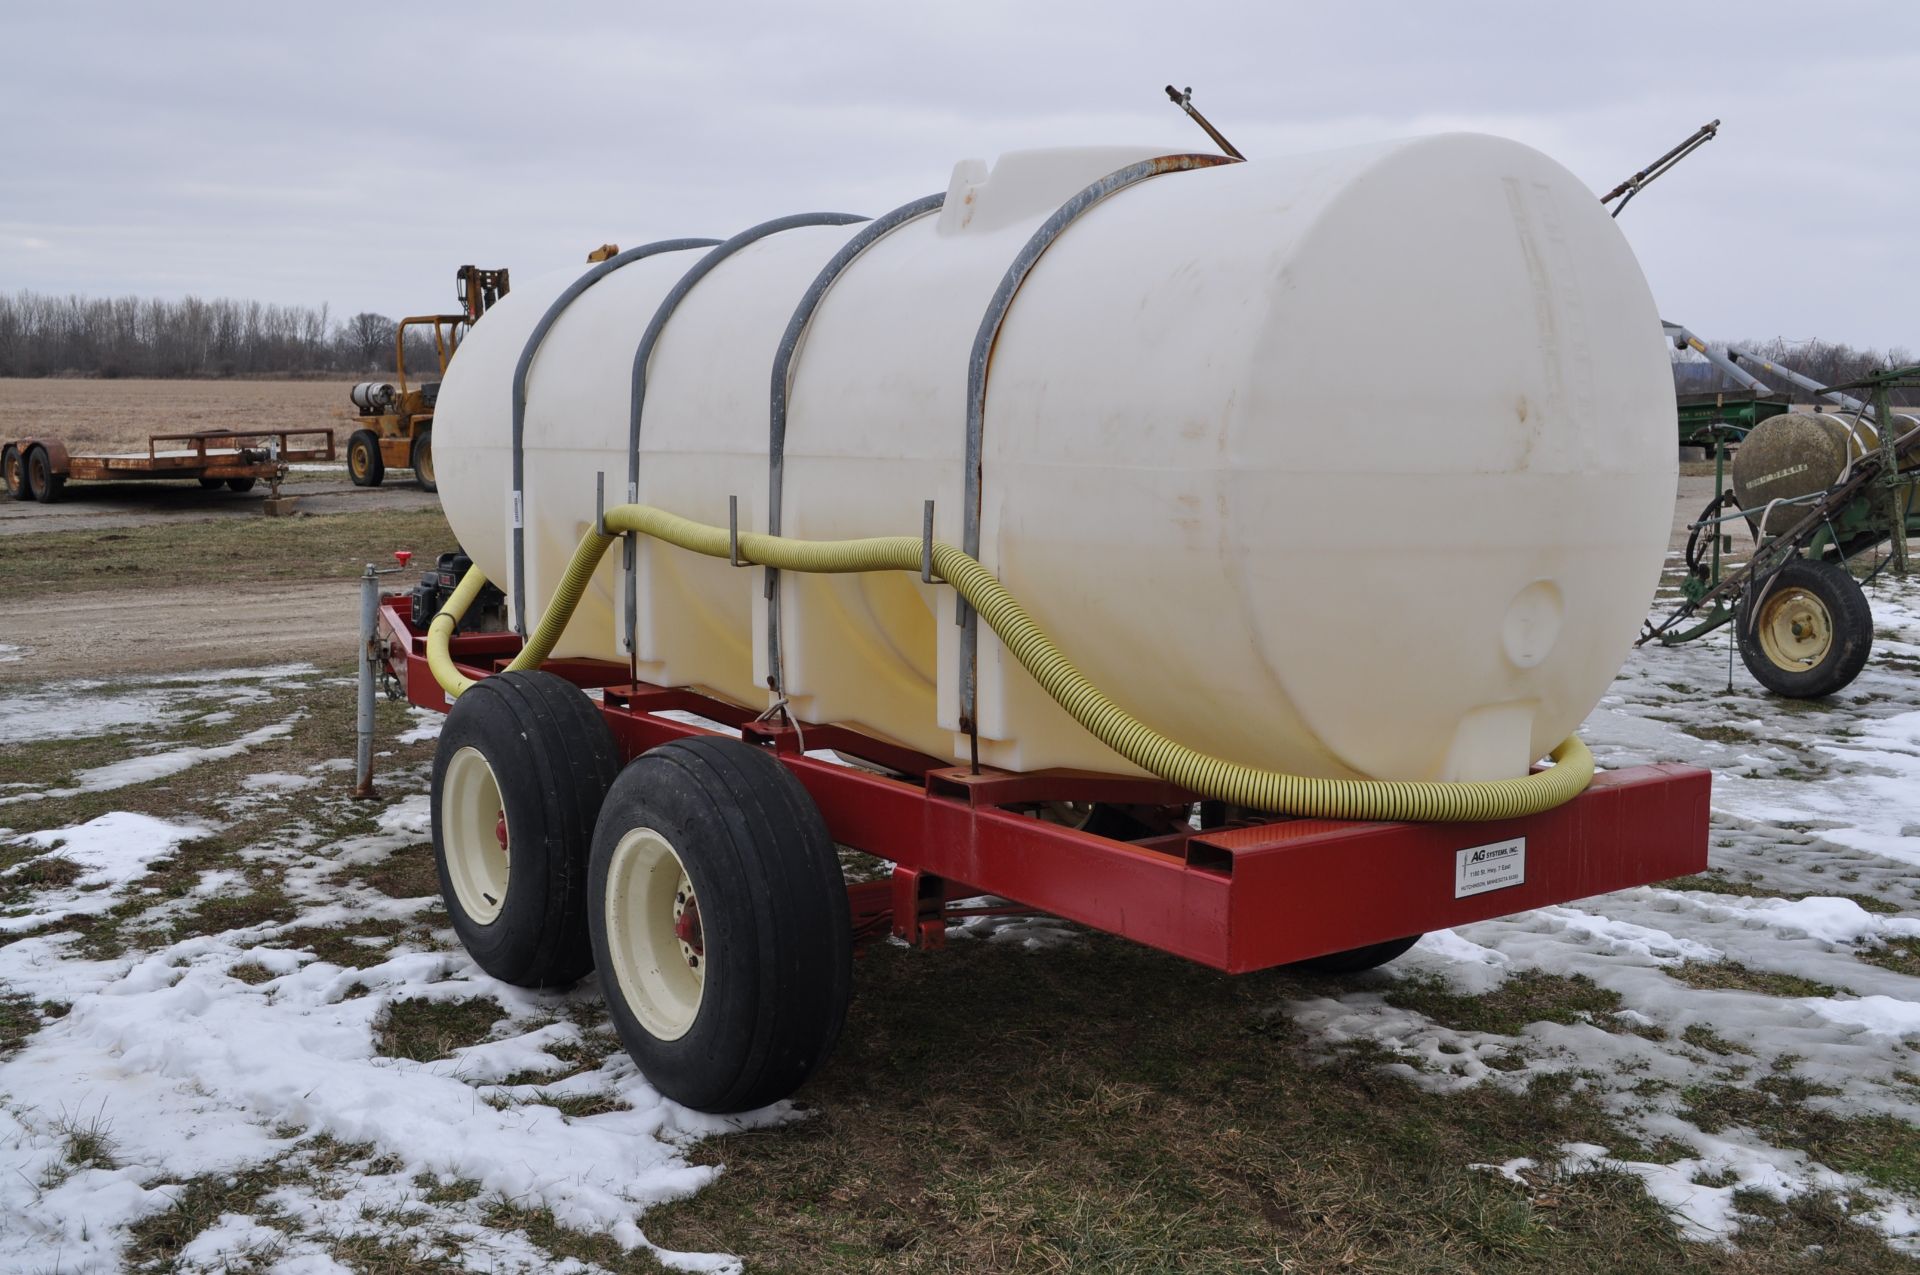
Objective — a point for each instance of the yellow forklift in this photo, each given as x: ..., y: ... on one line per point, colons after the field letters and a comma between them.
x: 396, y: 420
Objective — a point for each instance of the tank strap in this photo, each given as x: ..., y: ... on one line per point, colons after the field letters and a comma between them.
x: 783, y: 357
x: 520, y: 371
x: 1023, y: 263
x: 644, y: 354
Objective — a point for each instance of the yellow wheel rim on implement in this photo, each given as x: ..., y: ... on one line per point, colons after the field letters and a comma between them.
x: 1795, y: 629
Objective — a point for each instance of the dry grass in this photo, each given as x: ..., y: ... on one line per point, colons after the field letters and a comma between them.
x: 118, y: 415
x: 254, y: 551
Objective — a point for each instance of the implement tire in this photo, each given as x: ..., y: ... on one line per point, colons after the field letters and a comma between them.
x: 365, y: 465
x: 1808, y: 631
x: 720, y: 924
x: 523, y: 763
x: 13, y: 466
x: 422, y: 458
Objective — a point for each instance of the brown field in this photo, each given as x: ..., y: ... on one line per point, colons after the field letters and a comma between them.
x: 117, y: 416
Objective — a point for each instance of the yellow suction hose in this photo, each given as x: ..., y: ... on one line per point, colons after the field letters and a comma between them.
x: 1197, y: 772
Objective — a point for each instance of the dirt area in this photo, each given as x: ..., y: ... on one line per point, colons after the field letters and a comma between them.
x: 183, y: 586
x: 117, y: 416
x: 172, y: 630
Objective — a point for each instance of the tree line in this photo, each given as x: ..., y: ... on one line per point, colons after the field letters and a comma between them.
x: 43, y: 335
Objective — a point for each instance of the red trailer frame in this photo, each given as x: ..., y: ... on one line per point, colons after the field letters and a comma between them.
x: 1245, y: 895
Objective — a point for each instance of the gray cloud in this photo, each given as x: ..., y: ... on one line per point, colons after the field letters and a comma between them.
x: 354, y: 154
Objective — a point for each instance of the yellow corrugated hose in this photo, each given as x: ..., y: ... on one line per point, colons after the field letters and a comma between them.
x: 1197, y: 772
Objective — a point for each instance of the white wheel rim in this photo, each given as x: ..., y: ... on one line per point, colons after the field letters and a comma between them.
x: 473, y: 825
x: 659, y: 955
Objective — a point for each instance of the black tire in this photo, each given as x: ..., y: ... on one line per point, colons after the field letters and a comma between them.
x: 1358, y: 959
x: 772, y: 923
x: 240, y: 484
x: 550, y: 758
x: 1807, y: 631
x: 364, y: 463
x: 212, y: 484
x: 13, y: 466
x: 422, y: 459
x: 41, y: 480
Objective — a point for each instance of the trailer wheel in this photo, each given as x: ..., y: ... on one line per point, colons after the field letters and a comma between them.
x: 364, y: 463
x: 1809, y: 631
x: 1358, y: 959
x: 423, y: 461
x: 212, y: 484
x: 241, y: 484
x: 720, y: 924
x: 523, y: 764
x: 41, y: 480
x: 14, y: 467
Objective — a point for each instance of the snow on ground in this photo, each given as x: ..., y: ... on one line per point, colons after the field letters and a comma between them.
x: 211, y: 1054
x: 216, y: 1054
x: 110, y: 850
x: 1821, y: 801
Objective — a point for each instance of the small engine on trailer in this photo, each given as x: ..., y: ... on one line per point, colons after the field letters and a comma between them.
x: 488, y: 614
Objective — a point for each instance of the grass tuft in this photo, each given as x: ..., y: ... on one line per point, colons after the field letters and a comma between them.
x: 1733, y: 976
x: 1529, y: 997
x: 424, y: 1030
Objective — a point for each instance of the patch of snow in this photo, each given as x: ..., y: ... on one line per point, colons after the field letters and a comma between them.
x: 273, y: 781
x: 426, y: 725
x: 63, y: 713
x: 153, y: 766
x: 111, y: 851
x: 1877, y: 1015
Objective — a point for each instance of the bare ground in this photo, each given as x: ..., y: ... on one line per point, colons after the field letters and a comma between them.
x: 115, y: 416
x: 108, y: 634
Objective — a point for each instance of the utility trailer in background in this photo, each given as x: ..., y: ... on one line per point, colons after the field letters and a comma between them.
x: 38, y: 468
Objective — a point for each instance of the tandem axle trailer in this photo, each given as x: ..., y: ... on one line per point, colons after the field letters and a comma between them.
x: 697, y: 844
x: 39, y: 468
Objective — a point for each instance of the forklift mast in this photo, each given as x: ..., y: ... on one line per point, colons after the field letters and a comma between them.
x: 478, y: 289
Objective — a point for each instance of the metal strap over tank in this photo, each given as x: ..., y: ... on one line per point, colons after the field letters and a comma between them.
x: 1030, y: 253
x: 520, y: 371
x: 644, y: 354
x: 783, y: 357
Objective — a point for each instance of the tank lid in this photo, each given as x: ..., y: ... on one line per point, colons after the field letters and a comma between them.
x: 1027, y: 184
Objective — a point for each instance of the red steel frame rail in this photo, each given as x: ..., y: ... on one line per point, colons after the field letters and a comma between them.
x: 1240, y: 897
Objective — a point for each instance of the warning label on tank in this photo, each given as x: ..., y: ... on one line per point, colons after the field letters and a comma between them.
x: 1481, y: 868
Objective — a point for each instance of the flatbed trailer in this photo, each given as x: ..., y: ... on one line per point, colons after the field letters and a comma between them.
x: 1232, y: 889
x: 39, y: 468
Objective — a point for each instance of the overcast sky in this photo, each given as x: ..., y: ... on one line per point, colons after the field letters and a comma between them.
x: 355, y: 155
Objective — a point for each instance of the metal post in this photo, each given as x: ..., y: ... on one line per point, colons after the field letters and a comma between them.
x: 369, y: 658
x: 1891, y: 475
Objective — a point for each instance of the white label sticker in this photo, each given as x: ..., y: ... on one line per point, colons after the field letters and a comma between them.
x: 516, y: 511
x: 1478, y: 869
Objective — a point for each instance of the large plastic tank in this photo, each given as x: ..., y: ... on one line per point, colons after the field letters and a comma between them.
x: 1351, y: 464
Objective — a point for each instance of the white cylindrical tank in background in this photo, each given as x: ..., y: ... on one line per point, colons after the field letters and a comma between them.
x: 1349, y: 464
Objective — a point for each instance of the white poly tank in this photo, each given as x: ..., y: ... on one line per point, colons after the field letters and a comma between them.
x: 1355, y: 464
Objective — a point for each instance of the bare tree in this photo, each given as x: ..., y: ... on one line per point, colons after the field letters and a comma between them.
x: 371, y: 336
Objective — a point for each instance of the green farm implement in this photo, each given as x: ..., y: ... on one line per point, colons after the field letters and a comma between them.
x: 1819, y: 492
